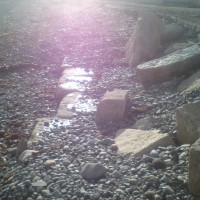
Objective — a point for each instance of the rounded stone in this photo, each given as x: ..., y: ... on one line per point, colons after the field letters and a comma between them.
x: 93, y: 171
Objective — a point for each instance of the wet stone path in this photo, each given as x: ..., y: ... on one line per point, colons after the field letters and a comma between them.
x: 59, y: 147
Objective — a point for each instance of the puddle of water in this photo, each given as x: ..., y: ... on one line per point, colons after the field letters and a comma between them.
x: 77, y: 72
x: 86, y: 106
x: 81, y: 105
x: 72, y: 86
x: 57, y: 123
x: 79, y: 78
x: 47, y: 125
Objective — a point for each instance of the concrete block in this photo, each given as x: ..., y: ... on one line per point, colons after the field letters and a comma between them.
x: 137, y: 142
x: 194, y: 169
x: 112, y: 106
x: 188, y: 123
x: 165, y: 68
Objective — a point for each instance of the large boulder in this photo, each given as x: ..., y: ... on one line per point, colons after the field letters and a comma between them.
x: 145, y: 41
x: 190, y: 84
x: 164, y: 68
x: 137, y: 142
x: 188, y: 123
x: 112, y: 106
x: 194, y: 168
x: 172, y: 32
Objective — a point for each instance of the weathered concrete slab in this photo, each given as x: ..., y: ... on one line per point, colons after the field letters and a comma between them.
x: 72, y: 80
x: 67, y: 88
x: 112, y: 106
x: 46, y: 124
x: 73, y: 103
x: 194, y: 169
x: 190, y: 84
x: 137, y: 142
x: 164, y: 68
x: 145, y: 41
x: 188, y: 123
x: 177, y: 47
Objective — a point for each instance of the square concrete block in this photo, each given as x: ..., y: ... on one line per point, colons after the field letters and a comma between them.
x: 137, y: 142
x: 188, y: 123
x: 112, y: 106
x: 194, y: 168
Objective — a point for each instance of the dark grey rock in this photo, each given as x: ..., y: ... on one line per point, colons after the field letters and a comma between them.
x: 93, y: 171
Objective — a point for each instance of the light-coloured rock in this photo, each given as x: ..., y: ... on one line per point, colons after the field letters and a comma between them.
x: 172, y: 32
x: 137, y: 142
x: 194, y: 168
x: 39, y: 183
x: 21, y: 147
x: 188, y: 123
x: 37, y: 129
x: 190, y: 84
x: 25, y: 155
x: 164, y: 68
x: 67, y: 106
x: 49, y: 163
x: 93, y: 171
x: 177, y: 47
x: 112, y: 106
x: 145, y: 41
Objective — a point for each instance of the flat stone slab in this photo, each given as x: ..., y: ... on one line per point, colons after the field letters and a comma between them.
x: 190, y: 84
x: 46, y: 124
x: 137, y: 142
x: 112, y: 106
x: 194, y: 169
x: 72, y: 80
x: 164, y: 68
x: 188, y: 123
x: 73, y: 103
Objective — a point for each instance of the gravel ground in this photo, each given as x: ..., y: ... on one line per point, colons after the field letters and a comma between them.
x: 34, y: 40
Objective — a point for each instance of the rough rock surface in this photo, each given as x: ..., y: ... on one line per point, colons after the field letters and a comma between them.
x: 66, y: 108
x: 21, y: 146
x: 190, y: 84
x: 145, y: 41
x: 137, y: 142
x: 93, y: 171
x: 25, y: 155
x: 177, y: 47
x: 164, y: 68
x: 187, y: 119
x: 194, y: 168
x: 172, y: 32
x: 112, y: 106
